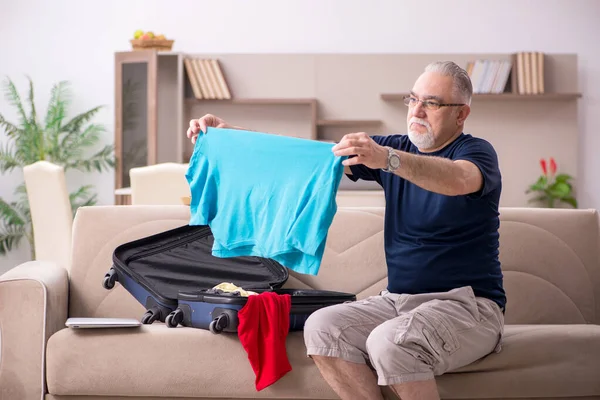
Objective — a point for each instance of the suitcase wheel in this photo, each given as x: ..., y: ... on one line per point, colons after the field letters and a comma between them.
x: 218, y: 324
x: 109, y: 279
x: 174, y: 318
x: 150, y: 316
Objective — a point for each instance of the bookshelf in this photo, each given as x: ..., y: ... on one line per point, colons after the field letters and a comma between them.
x: 324, y: 96
x: 500, y: 96
x: 348, y: 122
x: 290, y: 101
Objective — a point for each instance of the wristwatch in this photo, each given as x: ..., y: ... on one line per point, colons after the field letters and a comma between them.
x: 393, y: 160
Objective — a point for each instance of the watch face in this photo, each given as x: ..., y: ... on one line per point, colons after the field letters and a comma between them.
x: 395, y: 162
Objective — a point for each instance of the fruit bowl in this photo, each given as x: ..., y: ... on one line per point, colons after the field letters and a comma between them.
x: 149, y: 41
x: 152, y: 44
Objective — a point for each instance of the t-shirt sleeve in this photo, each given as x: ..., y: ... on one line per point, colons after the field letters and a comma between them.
x: 481, y: 153
x: 366, y: 173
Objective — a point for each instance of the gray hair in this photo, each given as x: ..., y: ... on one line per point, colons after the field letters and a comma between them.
x: 463, y: 87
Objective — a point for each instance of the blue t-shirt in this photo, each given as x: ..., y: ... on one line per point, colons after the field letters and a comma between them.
x: 434, y: 242
x: 265, y: 195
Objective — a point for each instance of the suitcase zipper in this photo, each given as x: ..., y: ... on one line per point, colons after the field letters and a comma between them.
x: 178, y: 242
x: 277, y: 269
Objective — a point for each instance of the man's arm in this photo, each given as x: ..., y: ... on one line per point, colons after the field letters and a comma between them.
x: 436, y: 174
x: 440, y: 175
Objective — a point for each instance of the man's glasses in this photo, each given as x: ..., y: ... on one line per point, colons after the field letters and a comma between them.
x: 431, y: 105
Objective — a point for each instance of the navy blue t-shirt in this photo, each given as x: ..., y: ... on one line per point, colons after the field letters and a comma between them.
x: 434, y: 242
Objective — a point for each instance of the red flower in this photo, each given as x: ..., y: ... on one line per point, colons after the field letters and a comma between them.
x: 552, y: 166
x: 544, y: 168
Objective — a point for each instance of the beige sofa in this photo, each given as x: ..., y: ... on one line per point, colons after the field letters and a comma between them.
x: 551, y: 347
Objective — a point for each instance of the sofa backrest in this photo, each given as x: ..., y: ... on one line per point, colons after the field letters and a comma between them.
x: 550, y: 259
x: 551, y: 264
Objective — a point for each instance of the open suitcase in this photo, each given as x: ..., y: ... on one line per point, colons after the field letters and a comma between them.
x: 173, y: 274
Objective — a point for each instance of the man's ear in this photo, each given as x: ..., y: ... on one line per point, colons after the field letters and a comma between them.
x: 463, y: 114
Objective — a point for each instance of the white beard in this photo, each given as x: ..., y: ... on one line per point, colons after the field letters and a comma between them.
x: 423, y: 141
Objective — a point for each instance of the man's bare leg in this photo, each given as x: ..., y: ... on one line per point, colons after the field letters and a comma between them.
x: 418, y: 390
x: 351, y: 381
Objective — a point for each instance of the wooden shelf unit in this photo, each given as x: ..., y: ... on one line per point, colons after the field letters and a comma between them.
x: 312, y: 102
x: 348, y: 122
x: 500, y: 96
x: 262, y: 101
x: 316, y: 96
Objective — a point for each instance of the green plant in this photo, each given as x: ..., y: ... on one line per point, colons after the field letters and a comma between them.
x: 57, y: 140
x: 552, y: 187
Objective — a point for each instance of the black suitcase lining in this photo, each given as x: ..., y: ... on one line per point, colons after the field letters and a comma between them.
x: 180, y: 260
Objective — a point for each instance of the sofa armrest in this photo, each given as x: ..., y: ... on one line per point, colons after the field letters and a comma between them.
x: 33, y: 306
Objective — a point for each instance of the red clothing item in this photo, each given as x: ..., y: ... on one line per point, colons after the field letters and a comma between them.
x: 264, y: 323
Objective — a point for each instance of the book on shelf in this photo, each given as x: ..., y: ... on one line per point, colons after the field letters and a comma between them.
x: 489, y: 76
x: 530, y: 72
x: 207, y: 79
x: 494, y: 76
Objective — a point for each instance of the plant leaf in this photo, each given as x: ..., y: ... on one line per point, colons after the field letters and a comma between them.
x: 103, y: 159
x: 21, y: 192
x: 541, y: 184
x: 8, y: 158
x: 82, y: 198
x: 22, y: 203
x: 21, y: 189
x: 12, y: 131
x: 563, y: 178
x: 570, y: 200
x: 75, y: 124
x: 12, y: 96
x: 559, y: 189
x: 74, y: 143
x: 82, y: 192
x: 10, y: 214
x: 31, y: 98
x: 73, y: 140
x: 23, y: 208
x: 10, y: 237
x: 27, y: 137
x: 27, y: 148
x: 59, y: 100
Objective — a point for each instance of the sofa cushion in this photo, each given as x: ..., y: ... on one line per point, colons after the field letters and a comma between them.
x: 536, y: 360
x: 550, y: 263
x: 154, y: 360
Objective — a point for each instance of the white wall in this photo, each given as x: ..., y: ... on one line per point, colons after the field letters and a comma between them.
x: 75, y: 40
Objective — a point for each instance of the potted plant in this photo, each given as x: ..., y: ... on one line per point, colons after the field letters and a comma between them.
x: 57, y: 140
x: 552, y: 188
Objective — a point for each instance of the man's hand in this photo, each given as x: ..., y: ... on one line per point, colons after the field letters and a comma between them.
x: 200, y: 125
x: 366, y: 150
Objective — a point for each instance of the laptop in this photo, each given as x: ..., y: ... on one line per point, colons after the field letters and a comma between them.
x: 102, y: 323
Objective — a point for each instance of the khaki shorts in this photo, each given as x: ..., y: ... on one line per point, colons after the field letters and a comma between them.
x: 408, y: 337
